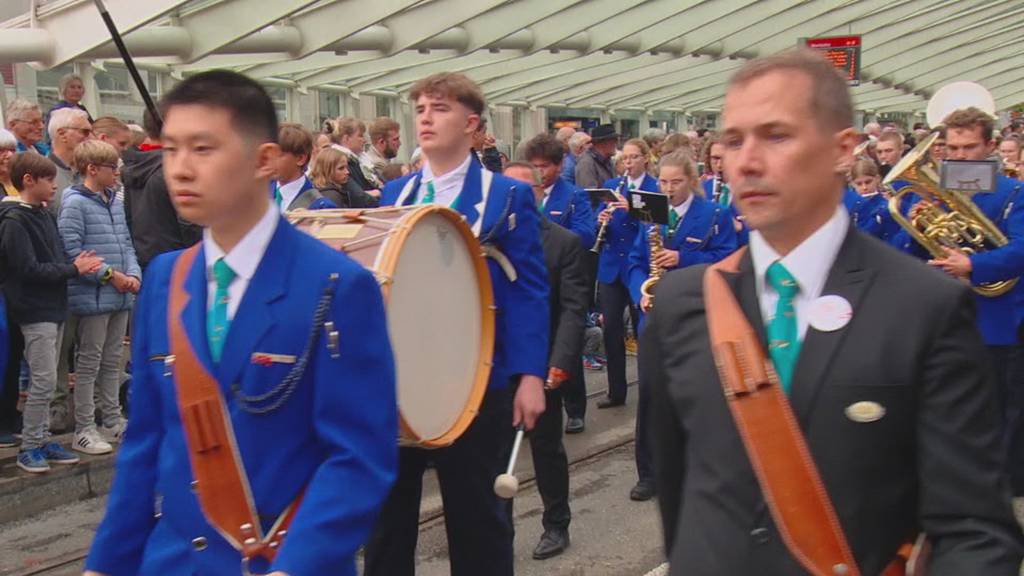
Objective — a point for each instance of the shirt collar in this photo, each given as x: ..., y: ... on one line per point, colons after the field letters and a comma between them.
x: 547, y: 191
x: 290, y: 190
x: 683, y: 208
x: 457, y: 175
x: 636, y: 183
x: 245, y: 257
x: 811, y: 261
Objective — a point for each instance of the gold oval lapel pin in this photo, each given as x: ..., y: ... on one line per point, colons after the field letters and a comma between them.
x: 865, y: 411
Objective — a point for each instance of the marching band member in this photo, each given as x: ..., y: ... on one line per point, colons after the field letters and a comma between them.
x: 613, y: 266
x: 292, y: 190
x: 878, y: 371
x: 717, y: 190
x: 309, y: 420
x: 568, y: 206
x: 503, y: 214
x: 569, y: 295
x: 969, y: 136
x: 562, y: 203
x: 698, y: 232
x: 868, y: 206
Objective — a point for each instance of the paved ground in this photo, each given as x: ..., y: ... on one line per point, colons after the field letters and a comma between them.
x: 611, y: 535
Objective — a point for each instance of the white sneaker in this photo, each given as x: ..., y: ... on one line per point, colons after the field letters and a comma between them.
x: 113, y: 434
x: 89, y: 442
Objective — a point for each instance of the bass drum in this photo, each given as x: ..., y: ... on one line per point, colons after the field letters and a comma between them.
x: 440, y: 309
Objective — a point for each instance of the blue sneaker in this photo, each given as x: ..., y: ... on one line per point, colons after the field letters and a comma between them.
x: 57, y: 454
x: 33, y: 461
x: 8, y: 440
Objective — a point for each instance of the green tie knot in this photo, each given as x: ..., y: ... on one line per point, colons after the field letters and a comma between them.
x: 782, y: 281
x: 223, y: 274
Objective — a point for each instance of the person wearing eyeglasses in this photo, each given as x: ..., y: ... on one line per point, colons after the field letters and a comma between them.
x: 93, y: 219
x: 25, y: 120
x: 68, y: 128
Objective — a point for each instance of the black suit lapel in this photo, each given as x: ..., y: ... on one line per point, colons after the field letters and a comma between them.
x: 849, y: 278
x: 744, y: 289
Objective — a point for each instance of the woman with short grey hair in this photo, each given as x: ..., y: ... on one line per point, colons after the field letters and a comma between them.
x: 72, y: 90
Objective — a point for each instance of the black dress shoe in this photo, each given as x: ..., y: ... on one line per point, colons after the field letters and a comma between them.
x: 609, y: 403
x: 574, y: 426
x: 552, y: 543
x: 643, y: 491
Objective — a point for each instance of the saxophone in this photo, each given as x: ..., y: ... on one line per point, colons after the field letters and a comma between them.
x: 657, y: 245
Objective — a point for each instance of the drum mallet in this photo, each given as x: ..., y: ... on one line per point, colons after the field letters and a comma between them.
x: 506, y: 485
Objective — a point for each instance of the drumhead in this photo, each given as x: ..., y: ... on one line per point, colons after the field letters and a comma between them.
x: 436, y: 326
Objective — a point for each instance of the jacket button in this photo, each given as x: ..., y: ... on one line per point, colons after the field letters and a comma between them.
x: 194, y: 486
x: 199, y: 544
x: 760, y: 535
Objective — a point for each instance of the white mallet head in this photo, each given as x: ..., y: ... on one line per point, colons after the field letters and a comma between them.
x: 506, y: 486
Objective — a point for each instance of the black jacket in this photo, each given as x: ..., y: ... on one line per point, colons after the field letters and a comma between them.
x: 932, y: 461
x: 563, y: 255
x: 349, y: 196
x: 155, y: 225
x: 33, y: 266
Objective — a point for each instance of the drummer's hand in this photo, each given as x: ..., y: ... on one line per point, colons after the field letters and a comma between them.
x: 645, y: 303
x: 529, y: 401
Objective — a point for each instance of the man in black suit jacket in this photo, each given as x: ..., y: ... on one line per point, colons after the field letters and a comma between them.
x: 567, y: 278
x: 896, y: 401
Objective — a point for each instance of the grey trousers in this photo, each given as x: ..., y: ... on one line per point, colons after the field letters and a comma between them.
x: 42, y: 342
x: 98, y: 368
x: 60, y: 396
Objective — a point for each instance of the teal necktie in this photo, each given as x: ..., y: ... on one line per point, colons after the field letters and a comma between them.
x: 277, y: 196
x: 783, y: 338
x: 428, y: 198
x: 217, y: 322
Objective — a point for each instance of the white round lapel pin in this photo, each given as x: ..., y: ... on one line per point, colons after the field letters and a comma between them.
x: 829, y: 313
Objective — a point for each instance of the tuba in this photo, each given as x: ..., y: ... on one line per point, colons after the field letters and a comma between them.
x: 945, y: 218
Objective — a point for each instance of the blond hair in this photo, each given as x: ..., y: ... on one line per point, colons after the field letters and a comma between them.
x: 327, y: 161
x: 830, y: 101
x: 381, y: 128
x: 108, y: 125
x: 864, y: 167
x: 681, y: 159
x: 347, y: 126
x: 95, y: 153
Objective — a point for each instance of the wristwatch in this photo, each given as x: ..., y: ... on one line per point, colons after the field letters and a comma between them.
x: 107, y: 275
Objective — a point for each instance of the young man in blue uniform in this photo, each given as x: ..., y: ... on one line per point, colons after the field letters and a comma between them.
x: 568, y: 206
x: 292, y: 190
x: 503, y: 215
x: 699, y: 232
x: 969, y: 136
x: 717, y: 190
x: 613, y: 266
x: 310, y: 409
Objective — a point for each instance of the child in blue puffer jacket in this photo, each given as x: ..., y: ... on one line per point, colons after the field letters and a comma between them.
x: 93, y: 219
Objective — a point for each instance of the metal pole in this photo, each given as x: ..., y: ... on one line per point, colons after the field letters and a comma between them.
x: 129, y: 63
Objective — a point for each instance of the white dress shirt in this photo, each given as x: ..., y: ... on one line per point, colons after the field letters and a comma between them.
x: 290, y: 191
x: 683, y: 208
x: 632, y: 184
x: 244, y: 258
x: 547, y: 195
x: 447, y: 187
x: 809, y: 263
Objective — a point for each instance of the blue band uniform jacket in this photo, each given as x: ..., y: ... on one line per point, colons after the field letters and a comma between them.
x: 504, y: 215
x: 705, y: 235
x: 998, y: 317
x: 334, y: 437
x: 613, y: 262
x: 569, y: 207
x: 743, y: 236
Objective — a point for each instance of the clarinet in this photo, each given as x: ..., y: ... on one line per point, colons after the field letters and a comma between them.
x: 599, y: 243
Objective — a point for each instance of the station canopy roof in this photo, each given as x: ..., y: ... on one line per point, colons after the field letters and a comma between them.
x: 655, y: 55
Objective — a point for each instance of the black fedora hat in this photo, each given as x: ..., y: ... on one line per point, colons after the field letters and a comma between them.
x: 603, y: 132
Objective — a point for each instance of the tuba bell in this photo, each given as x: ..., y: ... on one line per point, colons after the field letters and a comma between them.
x: 945, y: 218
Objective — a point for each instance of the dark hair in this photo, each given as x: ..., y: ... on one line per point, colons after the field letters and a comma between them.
x: 544, y: 146
x: 968, y: 118
x: 30, y: 163
x: 252, y: 111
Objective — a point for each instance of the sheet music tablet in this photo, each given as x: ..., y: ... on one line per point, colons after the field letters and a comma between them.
x: 599, y: 195
x: 651, y: 207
